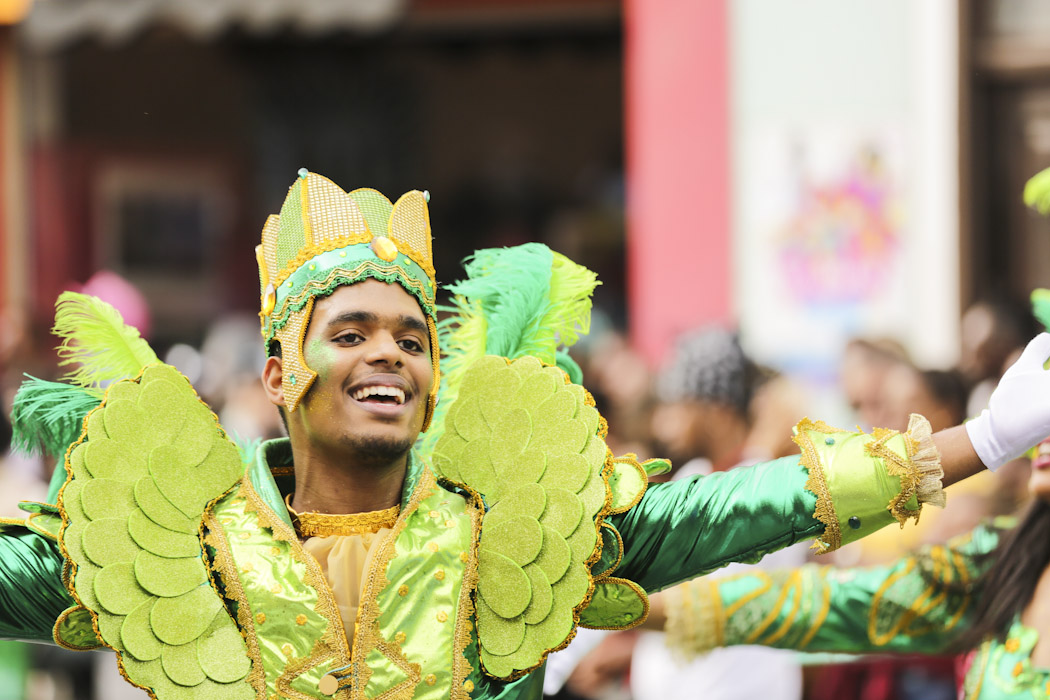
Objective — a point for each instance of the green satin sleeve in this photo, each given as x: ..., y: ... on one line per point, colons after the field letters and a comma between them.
x: 690, y: 527
x: 844, y: 485
x: 31, y: 592
x: 915, y: 605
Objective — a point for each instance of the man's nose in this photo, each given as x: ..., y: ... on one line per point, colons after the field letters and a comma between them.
x: 384, y: 348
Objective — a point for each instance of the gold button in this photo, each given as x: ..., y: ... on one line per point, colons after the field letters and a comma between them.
x: 450, y: 523
x: 433, y: 547
x: 442, y: 616
x: 300, y: 619
x: 248, y: 568
x: 287, y: 649
x: 400, y: 637
x: 244, y: 535
x: 260, y: 618
x: 402, y: 591
x: 433, y: 514
x: 431, y: 679
x: 439, y: 575
x: 468, y: 686
x: 328, y: 684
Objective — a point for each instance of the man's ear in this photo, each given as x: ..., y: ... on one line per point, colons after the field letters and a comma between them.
x: 273, y: 380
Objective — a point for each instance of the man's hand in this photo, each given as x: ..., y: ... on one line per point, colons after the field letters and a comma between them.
x: 1018, y: 413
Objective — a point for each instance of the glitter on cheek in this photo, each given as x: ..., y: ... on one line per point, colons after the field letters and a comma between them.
x: 320, y: 357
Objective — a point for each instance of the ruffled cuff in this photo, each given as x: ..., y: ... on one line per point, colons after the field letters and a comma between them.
x: 865, y: 482
x: 695, y: 618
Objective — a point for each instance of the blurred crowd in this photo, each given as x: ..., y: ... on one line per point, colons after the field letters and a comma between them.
x: 709, y: 408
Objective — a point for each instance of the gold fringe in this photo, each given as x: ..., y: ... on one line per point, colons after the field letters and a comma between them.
x: 461, y: 666
x: 924, y: 455
x: 816, y: 484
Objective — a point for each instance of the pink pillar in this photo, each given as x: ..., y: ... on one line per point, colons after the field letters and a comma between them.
x: 677, y: 123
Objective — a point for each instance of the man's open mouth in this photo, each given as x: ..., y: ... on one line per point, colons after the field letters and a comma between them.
x: 380, y: 394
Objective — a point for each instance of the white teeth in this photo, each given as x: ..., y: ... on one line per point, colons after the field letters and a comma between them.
x: 365, y: 392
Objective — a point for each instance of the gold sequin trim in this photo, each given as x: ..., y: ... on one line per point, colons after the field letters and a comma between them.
x: 898, y: 466
x: 324, y: 524
x: 368, y: 635
x: 816, y: 484
x: 332, y: 645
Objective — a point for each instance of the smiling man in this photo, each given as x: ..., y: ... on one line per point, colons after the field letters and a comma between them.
x: 343, y: 562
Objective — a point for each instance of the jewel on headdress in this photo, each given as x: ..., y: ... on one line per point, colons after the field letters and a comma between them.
x: 384, y: 248
x: 426, y: 195
x: 269, y: 300
x: 303, y: 172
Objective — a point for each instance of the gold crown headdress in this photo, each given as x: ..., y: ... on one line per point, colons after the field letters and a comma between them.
x: 325, y: 238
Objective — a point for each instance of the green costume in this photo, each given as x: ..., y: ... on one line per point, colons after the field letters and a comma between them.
x: 916, y: 605
x: 516, y: 523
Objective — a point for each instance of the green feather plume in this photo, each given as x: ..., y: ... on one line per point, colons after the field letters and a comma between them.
x: 1037, y: 192
x: 95, y: 337
x: 525, y: 300
x: 48, y: 416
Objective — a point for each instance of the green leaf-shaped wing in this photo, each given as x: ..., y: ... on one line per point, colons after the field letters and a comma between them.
x: 532, y: 444
x: 151, y: 459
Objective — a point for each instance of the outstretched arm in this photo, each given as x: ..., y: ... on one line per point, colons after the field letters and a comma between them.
x: 32, y: 596
x: 917, y: 604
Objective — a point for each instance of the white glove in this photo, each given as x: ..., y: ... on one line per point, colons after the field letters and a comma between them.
x: 1018, y: 413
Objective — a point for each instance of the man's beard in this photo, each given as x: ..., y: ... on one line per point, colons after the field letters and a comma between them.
x: 377, y: 451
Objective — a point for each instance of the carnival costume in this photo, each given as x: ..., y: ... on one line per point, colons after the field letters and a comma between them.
x: 516, y: 523
x: 918, y: 604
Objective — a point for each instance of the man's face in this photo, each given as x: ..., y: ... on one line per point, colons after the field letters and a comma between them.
x: 370, y: 347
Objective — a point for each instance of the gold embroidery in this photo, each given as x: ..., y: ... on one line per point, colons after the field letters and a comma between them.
x: 442, y: 616
x: 440, y: 575
x: 300, y: 619
x: 260, y: 618
x: 873, y: 633
x: 324, y: 524
x: 818, y: 619
x: 402, y: 591
x: 631, y: 459
x: 332, y: 645
x: 60, y: 641
x: 368, y: 636
x: 899, y: 466
x: 461, y: 667
x: 223, y: 564
x: 816, y: 484
x: 400, y: 637
x: 431, y: 679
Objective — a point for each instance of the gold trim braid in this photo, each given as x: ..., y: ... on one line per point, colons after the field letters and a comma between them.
x: 817, y: 484
x: 311, y: 524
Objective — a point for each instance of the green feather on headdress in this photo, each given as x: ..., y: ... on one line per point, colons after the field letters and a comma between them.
x: 48, y: 415
x: 525, y: 300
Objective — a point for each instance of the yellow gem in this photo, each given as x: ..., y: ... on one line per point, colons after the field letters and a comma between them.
x: 432, y: 547
x: 440, y: 575
x: 244, y: 535
x: 260, y: 618
x: 450, y: 523
x: 442, y: 616
x: 300, y: 619
x: 276, y: 589
x: 400, y: 637
x: 1012, y: 645
x: 431, y: 679
x: 248, y: 568
x: 468, y: 686
x: 269, y: 300
x: 328, y: 684
x: 287, y: 649
x: 384, y: 248
x: 1018, y: 669
x: 403, y: 591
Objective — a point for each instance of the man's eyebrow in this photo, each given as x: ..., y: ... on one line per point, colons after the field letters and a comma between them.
x: 354, y: 317
x: 413, y: 323
x: 404, y: 320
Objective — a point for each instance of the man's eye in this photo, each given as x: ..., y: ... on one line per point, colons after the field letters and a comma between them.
x: 348, y: 338
x: 411, y: 345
